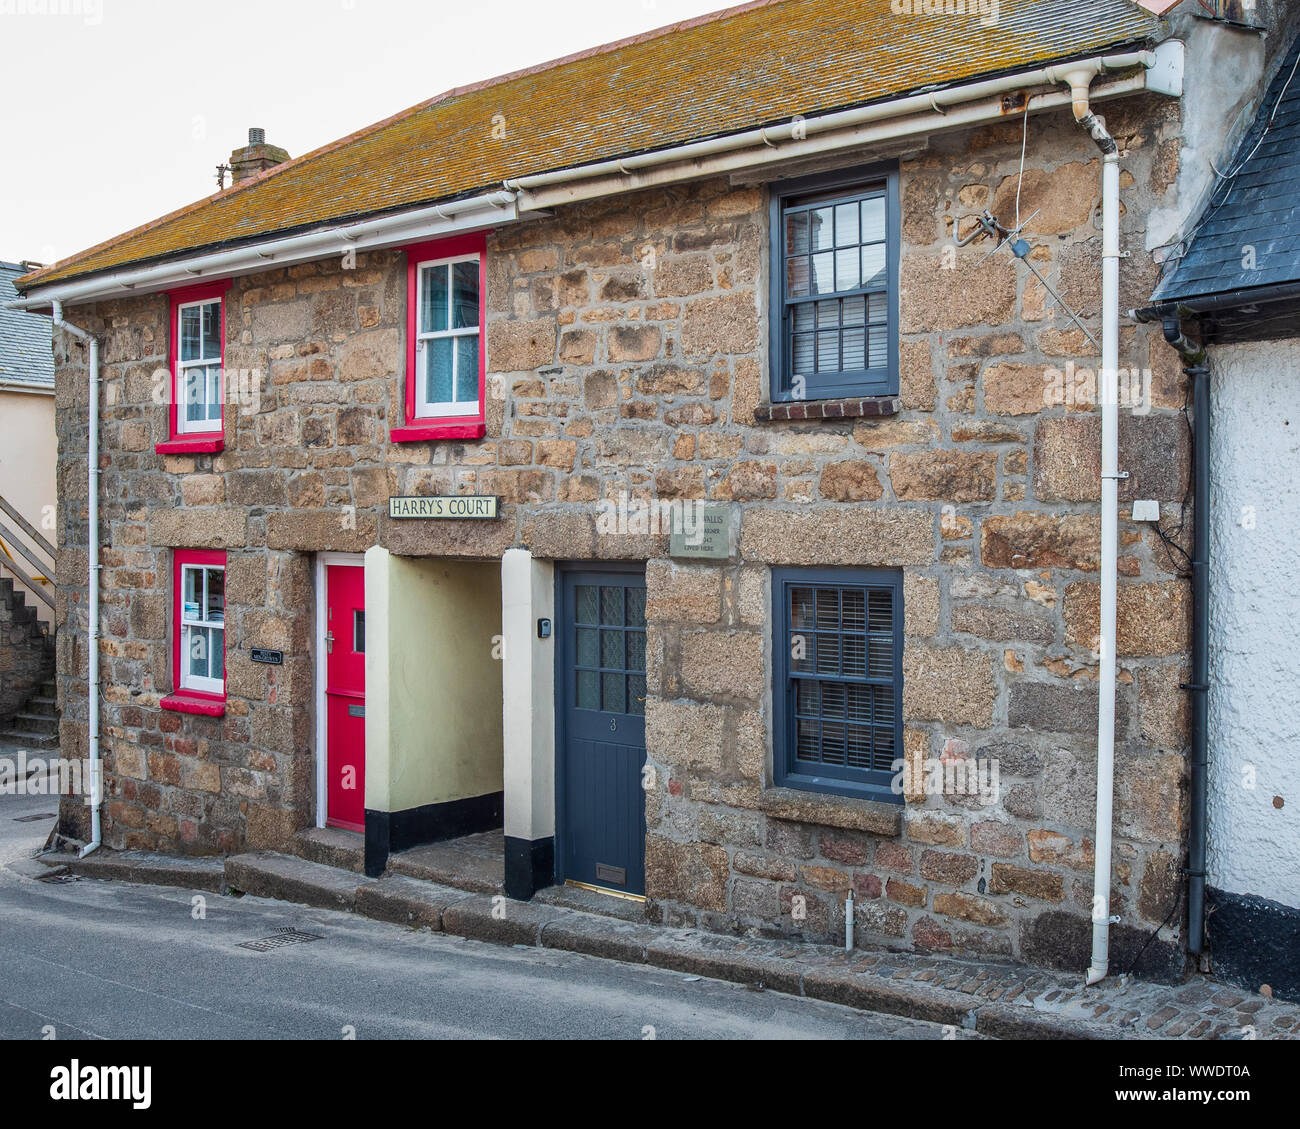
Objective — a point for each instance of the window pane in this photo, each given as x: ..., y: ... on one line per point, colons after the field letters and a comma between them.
x: 846, y: 225
x: 804, y: 316
x: 611, y: 649
x: 808, y: 740
x: 196, y: 651
x: 877, y: 308
x: 211, y: 329
x: 804, y: 353
x: 195, y: 395
x: 359, y: 631
x: 465, y: 294
x: 828, y: 351
x: 467, y: 369
x: 636, y: 611
x: 796, y: 278
x: 853, y: 311
x: 873, y: 264
x: 823, y: 229
x: 855, y: 655
x: 588, y: 696
x: 636, y: 650
x: 878, y: 356
x: 433, y: 305
x: 587, y: 603
x: 216, y: 609
x: 588, y: 648
x: 881, y: 609
x: 796, y: 233
x: 190, y: 333
x: 801, y: 607
x: 192, y: 592
x: 636, y: 694
x: 217, y: 648
x: 828, y: 654
x: 437, y: 372
x: 853, y: 609
x: 807, y: 697
x: 846, y: 269
x: 873, y: 220
x: 823, y: 273
x: 880, y: 651
x: 212, y: 380
x: 854, y: 344
x: 613, y: 693
x: 611, y: 606
x: 828, y: 313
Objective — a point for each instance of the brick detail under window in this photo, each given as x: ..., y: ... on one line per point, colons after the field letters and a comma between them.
x: 829, y: 409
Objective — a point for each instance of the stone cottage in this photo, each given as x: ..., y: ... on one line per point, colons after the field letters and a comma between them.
x: 685, y: 460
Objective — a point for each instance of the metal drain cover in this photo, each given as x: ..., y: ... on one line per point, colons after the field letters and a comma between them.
x: 34, y: 818
x: 60, y: 878
x: 279, y: 940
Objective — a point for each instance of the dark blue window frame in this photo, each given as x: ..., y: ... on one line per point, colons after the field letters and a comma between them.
x: 823, y: 191
x: 874, y: 774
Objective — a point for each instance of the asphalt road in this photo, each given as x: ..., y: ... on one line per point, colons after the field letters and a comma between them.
x: 108, y: 960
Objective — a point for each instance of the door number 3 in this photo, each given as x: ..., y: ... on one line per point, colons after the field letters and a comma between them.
x: 613, y: 725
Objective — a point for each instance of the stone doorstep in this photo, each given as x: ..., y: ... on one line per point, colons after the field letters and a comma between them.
x: 997, y: 1000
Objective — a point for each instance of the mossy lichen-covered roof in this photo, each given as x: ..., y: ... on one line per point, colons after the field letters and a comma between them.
x: 735, y: 70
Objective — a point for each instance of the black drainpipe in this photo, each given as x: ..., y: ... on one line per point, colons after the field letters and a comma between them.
x: 1197, y: 368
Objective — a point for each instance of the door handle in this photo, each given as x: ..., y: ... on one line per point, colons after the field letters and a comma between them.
x: 329, y: 642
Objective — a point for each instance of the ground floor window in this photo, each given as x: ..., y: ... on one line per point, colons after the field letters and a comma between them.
x: 199, y: 637
x: 838, y: 697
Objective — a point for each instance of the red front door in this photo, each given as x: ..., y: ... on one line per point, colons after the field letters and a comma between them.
x: 345, y: 695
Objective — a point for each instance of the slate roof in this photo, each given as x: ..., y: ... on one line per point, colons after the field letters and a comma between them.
x: 1259, y: 207
x: 724, y: 73
x: 25, y: 355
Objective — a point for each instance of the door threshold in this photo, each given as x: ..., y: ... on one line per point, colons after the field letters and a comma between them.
x: 604, y: 890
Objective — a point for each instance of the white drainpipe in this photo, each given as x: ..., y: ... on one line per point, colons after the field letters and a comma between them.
x: 92, y: 543
x: 1108, y: 392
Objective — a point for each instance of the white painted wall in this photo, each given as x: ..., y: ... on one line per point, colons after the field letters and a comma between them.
x: 1254, y: 846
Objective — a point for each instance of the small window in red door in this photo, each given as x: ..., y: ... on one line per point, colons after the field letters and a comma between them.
x: 345, y: 694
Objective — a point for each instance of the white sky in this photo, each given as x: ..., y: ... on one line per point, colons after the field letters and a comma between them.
x: 116, y: 112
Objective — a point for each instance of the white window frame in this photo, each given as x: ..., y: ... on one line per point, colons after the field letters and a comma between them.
x: 193, y: 681
x: 205, y: 426
x: 425, y: 408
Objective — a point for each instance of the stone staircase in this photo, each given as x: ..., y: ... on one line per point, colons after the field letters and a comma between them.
x: 28, y: 711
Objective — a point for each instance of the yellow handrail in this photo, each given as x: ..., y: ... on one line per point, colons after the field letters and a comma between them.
x: 42, y: 579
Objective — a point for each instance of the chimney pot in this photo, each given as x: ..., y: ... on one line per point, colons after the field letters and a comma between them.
x: 256, y: 136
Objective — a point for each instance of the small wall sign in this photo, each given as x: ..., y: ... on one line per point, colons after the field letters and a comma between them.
x: 478, y: 506
x: 706, y: 533
x: 262, y: 655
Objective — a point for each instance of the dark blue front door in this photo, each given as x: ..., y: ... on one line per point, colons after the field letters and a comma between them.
x: 601, y: 682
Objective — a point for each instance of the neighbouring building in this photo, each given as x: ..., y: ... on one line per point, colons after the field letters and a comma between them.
x: 1234, y: 284
x: 661, y: 454
x: 28, y: 452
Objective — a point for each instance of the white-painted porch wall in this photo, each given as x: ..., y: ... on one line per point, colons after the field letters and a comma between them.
x: 1254, y: 846
x: 528, y: 695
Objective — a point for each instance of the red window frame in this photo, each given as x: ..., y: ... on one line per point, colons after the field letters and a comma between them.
x: 203, y: 442
x: 419, y: 428
x: 186, y: 700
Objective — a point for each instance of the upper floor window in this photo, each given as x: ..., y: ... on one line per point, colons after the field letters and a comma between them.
x: 446, y: 367
x: 838, y: 657
x: 197, y: 333
x: 835, y: 287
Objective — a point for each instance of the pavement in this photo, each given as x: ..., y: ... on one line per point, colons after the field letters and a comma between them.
x: 101, y: 958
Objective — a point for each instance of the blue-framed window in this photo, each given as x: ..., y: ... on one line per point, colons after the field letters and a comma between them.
x: 838, y: 698
x: 835, y: 286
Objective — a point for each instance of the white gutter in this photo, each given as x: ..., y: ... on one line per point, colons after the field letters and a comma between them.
x: 92, y: 545
x: 1108, y: 394
x: 432, y: 222
x: 952, y: 108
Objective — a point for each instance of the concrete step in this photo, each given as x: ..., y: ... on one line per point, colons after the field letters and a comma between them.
x: 36, y: 723
x: 269, y: 875
x: 332, y: 846
x: 204, y: 872
x: 30, y: 740
x: 43, y: 707
x: 450, y: 864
